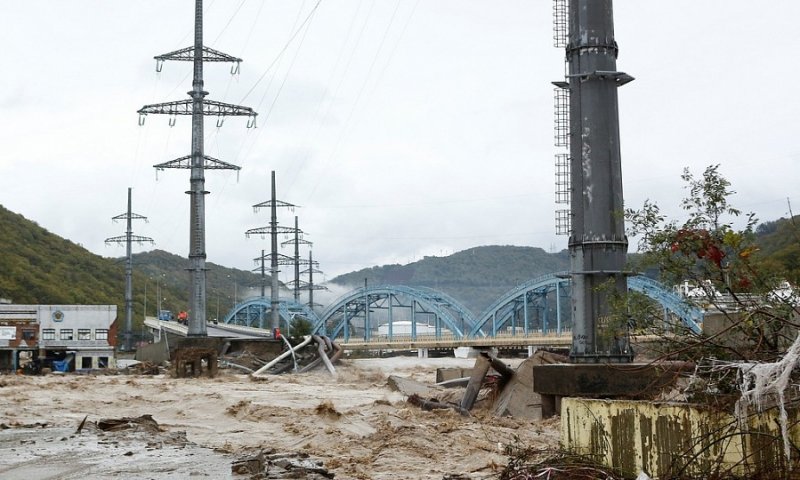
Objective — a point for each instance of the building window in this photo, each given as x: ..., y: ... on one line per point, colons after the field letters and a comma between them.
x: 86, y: 362
x: 102, y: 362
x: 101, y: 334
x: 28, y: 334
x: 66, y: 334
x: 84, y: 334
x: 48, y: 334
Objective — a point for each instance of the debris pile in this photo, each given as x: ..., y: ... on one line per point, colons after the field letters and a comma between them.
x: 491, y: 384
x: 270, y: 465
x: 144, y: 423
x: 535, y: 463
x: 309, y: 354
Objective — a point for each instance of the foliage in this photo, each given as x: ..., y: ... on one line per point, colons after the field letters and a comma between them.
x: 37, y: 266
x: 300, y: 327
x: 779, y: 242
x: 723, y: 266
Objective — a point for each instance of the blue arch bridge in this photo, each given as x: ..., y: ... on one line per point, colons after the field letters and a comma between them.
x: 393, y: 313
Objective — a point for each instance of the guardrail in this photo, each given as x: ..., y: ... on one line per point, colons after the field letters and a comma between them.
x: 504, y: 340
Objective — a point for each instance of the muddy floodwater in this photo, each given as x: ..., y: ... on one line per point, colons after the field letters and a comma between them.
x: 354, y: 423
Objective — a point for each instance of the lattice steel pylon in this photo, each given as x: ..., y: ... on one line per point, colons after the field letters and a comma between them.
x: 128, y: 240
x: 198, y: 107
x: 296, y: 241
x: 275, y: 258
x: 310, y: 286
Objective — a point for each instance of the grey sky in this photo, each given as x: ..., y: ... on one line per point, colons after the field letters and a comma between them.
x: 403, y: 128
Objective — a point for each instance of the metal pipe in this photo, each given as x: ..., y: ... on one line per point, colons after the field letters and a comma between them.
x: 306, y: 340
x: 322, y: 355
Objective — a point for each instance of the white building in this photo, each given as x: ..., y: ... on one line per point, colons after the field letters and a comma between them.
x: 84, y: 336
x: 403, y: 329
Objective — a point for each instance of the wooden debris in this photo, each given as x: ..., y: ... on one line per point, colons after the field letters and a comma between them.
x: 435, y: 405
x: 143, y: 422
x: 83, y: 422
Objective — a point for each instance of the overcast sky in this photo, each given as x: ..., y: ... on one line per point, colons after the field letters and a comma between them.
x: 403, y: 128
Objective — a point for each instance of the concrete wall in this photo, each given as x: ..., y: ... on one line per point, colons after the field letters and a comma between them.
x: 666, y: 440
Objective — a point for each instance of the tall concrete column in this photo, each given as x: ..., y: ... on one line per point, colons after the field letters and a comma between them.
x: 197, y: 209
x: 597, y: 244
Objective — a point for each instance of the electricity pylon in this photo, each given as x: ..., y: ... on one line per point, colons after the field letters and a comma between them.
x: 275, y: 259
x: 198, y: 107
x: 128, y: 239
x: 296, y: 241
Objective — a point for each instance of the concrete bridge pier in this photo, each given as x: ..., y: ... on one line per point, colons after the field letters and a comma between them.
x: 422, y: 353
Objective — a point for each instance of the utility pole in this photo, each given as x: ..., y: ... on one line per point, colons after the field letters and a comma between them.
x: 275, y: 258
x: 597, y: 242
x: 128, y: 239
x: 198, y: 107
x: 296, y: 241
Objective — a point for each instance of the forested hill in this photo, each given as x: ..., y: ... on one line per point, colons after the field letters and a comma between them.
x: 475, y: 277
x: 39, y: 267
x: 779, y: 241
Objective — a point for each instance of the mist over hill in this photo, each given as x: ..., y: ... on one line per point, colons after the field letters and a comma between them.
x: 476, y: 277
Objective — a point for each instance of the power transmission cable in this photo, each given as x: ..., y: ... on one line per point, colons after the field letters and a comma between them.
x: 285, y: 78
x: 269, y: 68
x: 236, y: 12
x: 344, y: 73
x: 280, y: 54
x: 306, y: 24
x: 344, y: 130
x: 320, y: 119
x: 393, y: 51
x: 288, y: 70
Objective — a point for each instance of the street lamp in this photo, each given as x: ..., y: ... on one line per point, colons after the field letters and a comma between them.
x: 235, y: 289
x: 158, y: 294
x: 145, y: 298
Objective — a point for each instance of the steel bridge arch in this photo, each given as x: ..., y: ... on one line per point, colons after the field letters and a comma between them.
x: 352, y: 314
x: 690, y: 315
x: 533, y: 294
x: 257, y: 312
x: 520, y: 299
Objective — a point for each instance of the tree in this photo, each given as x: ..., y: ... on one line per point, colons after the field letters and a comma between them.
x: 722, y: 267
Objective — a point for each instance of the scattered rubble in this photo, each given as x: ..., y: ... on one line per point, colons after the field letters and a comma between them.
x: 269, y: 465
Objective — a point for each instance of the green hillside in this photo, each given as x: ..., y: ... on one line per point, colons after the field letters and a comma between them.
x: 779, y: 241
x: 39, y: 267
x: 476, y: 277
